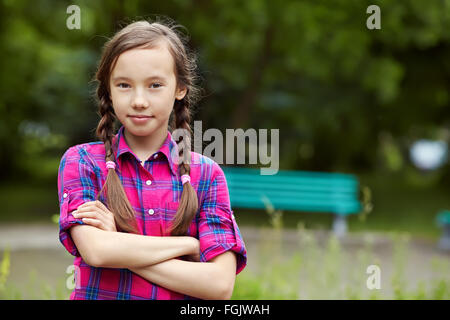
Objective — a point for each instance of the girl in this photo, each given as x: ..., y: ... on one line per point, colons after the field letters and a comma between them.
x: 145, y: 217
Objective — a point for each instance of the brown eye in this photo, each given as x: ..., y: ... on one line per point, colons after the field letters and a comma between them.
x: 156, y: 85
x: 120, y: 85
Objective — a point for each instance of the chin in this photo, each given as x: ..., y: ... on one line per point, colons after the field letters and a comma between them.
x: 141, y: 132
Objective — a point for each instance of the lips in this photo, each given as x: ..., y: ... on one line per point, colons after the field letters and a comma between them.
x: 140, y: 117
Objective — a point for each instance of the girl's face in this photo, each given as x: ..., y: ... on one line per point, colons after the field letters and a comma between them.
x: 143, y: 90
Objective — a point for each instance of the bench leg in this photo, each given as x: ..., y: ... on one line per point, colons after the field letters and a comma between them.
x: 340, y: 225
x: 444, y: 242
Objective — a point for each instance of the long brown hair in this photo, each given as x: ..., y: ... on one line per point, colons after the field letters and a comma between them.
x: 145, y: 34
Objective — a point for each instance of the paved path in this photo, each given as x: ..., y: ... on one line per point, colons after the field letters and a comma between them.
x: 45, y: 236
x: 33, y: 236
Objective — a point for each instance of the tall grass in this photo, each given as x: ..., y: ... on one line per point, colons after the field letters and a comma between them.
x: 321, y: 268
x: 34, y: 288
x: 330, y: 271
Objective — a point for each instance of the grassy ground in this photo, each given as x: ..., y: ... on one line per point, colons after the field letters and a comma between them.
x: 335, y: 271
x: 302, y: 265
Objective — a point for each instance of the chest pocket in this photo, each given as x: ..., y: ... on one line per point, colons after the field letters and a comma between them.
x: 170, y: 212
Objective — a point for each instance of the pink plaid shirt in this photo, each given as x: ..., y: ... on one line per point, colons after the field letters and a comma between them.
x: 154, y: 190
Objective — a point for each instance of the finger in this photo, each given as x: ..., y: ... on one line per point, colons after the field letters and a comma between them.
x: 100, y: 205
x: 95, y: 214
x: 93, y: 222
x: 85, y: 213
x: 90, y: 207
x: 87, y: 203
x: 94, y: 205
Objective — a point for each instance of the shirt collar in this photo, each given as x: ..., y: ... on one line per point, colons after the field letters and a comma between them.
x: 168, y: 148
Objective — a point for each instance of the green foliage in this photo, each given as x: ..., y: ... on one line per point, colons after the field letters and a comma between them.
x: 309, y: 67
x: 28, y: 202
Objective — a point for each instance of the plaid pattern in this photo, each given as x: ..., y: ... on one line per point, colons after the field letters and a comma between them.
x: 154, y: 190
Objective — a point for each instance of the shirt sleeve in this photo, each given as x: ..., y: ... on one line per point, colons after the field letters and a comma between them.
x: 217, y: 227
x: 76, y: 185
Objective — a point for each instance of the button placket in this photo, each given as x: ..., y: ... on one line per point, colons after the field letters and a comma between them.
x: 150, y: 211
x: 149, y: 208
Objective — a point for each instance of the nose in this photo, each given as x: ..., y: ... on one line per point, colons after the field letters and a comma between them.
x: 139, y: 100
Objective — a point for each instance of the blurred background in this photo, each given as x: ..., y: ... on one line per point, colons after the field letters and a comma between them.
x: 373, y: 103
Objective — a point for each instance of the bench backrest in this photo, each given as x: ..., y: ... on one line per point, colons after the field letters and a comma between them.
x: 294, y: 190
x: 443, y: 217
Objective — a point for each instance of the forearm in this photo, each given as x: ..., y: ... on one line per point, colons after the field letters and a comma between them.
x: 203, y: 280
x: 123, y: 250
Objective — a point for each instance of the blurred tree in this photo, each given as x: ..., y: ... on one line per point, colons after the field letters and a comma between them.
x: 310, y: 68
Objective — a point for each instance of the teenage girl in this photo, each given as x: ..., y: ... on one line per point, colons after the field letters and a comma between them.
x: 144, y: 216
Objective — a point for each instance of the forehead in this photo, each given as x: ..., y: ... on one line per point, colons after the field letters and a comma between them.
x: 140, y: 63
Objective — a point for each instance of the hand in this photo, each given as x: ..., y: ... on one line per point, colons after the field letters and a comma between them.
x: 95, y: 213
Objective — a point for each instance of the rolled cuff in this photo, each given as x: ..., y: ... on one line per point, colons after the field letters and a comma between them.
x: 66, y: 221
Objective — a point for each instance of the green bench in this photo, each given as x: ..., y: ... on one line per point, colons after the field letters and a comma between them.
x: 333, y: 193
x: 443, y: 220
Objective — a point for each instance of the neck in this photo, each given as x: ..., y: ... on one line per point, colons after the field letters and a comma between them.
x: 145, y: 146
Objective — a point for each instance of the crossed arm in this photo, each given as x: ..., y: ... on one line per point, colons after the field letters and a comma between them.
x: 153, y: 258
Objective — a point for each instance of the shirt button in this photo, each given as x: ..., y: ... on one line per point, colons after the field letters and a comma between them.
x: 151, y: 211
x: 148, y: 182
x: 65, y: 195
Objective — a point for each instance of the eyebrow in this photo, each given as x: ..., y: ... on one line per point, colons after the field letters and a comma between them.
x: 156, y: 77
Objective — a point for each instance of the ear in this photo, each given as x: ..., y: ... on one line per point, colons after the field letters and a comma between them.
x: 180, y: 93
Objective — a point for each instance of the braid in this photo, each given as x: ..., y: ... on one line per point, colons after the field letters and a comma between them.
x: 182, y: 121
x: 189, y: 202
x: 105, y: 127
x: 117, y: 200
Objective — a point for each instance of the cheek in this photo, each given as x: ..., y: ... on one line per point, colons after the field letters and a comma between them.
x: 118, y: 100
x: 163, y: 103
x: 115, y: 95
